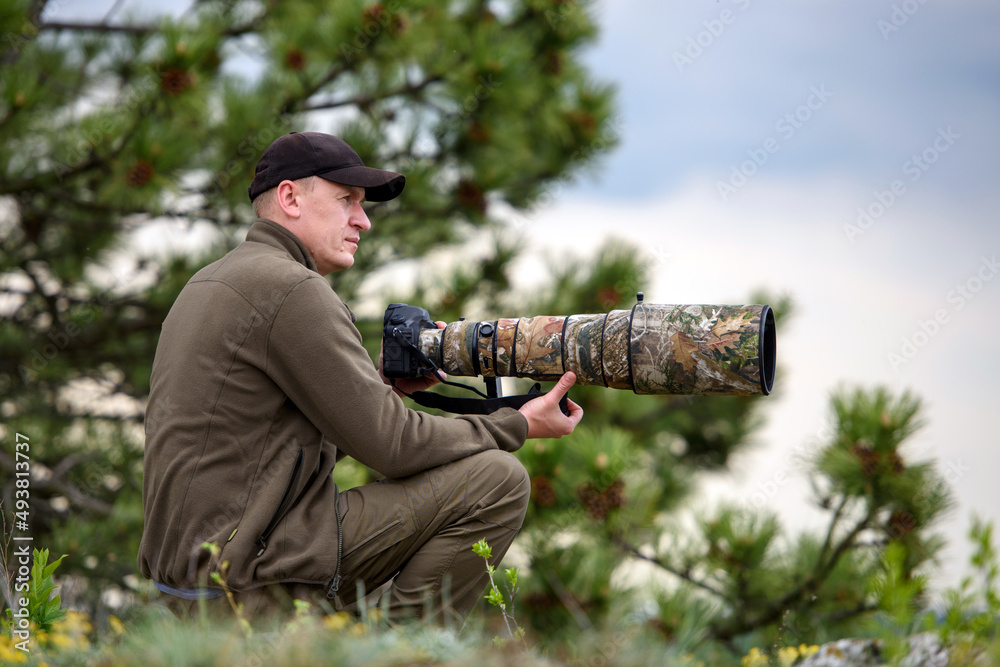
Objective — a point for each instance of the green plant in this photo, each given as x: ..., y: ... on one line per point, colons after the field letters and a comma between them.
x: 972, y: 613
x: 496, y: 597
x: 43, y: 608
x: 219, y: 577
x: 899, y: 599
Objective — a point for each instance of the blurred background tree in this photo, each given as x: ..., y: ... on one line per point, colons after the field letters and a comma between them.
x: 120, y: 131
x: 128, y: 142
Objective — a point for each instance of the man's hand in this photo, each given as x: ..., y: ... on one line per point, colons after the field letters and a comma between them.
x: 410, y: 385
x: 545, y: 419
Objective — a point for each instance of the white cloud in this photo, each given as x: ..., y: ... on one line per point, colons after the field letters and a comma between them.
x: 855, y: 303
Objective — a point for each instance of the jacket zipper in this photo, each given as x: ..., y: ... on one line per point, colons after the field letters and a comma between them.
x: 334, y: 585
x: 286, y: 501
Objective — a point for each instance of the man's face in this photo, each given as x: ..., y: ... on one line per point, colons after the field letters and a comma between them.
x: 331, y: 224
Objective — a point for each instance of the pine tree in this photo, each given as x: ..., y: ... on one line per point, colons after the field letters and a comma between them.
x: 119, y: 128
x: 114, y: 128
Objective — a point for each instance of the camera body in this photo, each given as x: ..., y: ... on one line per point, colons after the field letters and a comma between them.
x: 399, y: 360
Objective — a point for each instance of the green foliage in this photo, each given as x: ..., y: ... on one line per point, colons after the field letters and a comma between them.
x: 111, y: 135
x: 972, y: 610
x: 495, y: 597
x: 44, y: 609
x: 897, y: 591
x: 126, y: 149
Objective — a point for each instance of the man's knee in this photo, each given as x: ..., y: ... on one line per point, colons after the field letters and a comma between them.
x: 509, y: 483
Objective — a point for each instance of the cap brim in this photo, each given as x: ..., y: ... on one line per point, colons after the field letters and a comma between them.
x: 379, y: 184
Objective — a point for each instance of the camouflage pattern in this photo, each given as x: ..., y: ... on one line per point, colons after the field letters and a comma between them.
x: 457, y: 347
x: 615, y: 351
x: 696, y: 349
x: 430, y: 344
x: 651, y: 349
x: 538, y: 348
x: 506, y: 332
x: 583, y: 341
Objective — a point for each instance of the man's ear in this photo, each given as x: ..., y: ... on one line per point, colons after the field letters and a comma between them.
x: 288, y: 197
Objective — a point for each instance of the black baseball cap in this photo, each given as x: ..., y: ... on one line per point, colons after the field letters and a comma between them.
x: 302, y: 154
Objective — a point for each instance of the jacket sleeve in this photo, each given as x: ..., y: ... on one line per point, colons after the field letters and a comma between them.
x: 315, y: 355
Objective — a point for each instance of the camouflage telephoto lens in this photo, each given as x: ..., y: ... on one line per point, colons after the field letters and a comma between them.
x: 650, y: 349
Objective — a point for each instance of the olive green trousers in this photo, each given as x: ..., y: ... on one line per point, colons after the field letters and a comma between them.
x: 413, y: 537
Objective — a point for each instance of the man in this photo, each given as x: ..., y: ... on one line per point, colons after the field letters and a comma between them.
x: 260, y: 384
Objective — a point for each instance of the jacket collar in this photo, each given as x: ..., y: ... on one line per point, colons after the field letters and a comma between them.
x: 271, y: 233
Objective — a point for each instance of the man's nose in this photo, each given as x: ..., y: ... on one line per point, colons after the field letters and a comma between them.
x: 360, y: 219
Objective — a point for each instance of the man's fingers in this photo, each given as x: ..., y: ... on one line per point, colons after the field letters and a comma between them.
x: 564, y: 384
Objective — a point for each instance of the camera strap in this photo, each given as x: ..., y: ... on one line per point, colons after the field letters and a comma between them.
x: 474, y: 406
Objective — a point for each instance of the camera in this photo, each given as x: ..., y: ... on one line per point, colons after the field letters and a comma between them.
x: 401, y: 328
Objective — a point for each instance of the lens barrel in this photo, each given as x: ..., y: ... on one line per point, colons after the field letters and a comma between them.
x: 650, y: 349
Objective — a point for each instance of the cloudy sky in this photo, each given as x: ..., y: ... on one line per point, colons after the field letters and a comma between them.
x: 843, y: 153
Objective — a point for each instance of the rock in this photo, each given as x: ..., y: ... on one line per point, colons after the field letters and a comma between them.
x: 925, y: 651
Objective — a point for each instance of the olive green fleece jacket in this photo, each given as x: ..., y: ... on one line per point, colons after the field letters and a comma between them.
x: 259, y: 384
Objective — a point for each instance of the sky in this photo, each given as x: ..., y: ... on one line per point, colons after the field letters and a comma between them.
x: 841, y: 153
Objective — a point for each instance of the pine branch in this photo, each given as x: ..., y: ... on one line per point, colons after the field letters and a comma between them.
x: 99, y: 27
x: 837, y: 513
x: 861, y: 608
x: 801, y: 596
x: 368, y: 100
x: 572, y: 606
x: 135, y: 28
x: 683, y: 574
x: 41, y: 180
x: 50, y: 299
x: 59, y: 487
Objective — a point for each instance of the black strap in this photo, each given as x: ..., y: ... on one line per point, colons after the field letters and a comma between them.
x: 481, y: 406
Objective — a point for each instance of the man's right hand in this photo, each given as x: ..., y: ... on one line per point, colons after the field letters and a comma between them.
x: 545, y: 418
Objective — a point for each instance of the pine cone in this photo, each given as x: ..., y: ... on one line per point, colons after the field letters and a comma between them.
x: 869, y: 457
x: 139, y: 174
x: 900, y: 524
x: 608, y: 296
x: 896, y: 462
x: 615, y: 494
x: 374, y: 13
x: 595, y: 504
x: 553, y: 62
x: 471, y: 196
x: 479, y: 133
x: 175, y: 81
x: 295, y: 60
x: 542, y: 492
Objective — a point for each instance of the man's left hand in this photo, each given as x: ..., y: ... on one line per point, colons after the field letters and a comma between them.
x: 410, y: 385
